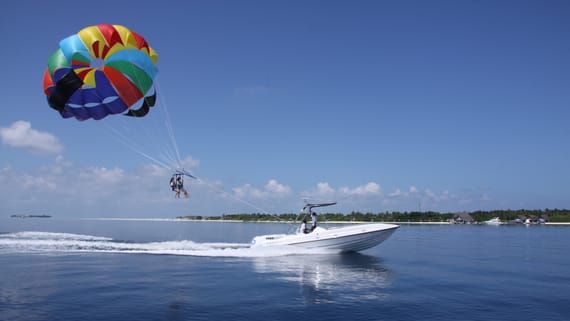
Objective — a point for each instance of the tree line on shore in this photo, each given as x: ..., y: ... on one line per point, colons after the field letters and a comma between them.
x: 552, y: 215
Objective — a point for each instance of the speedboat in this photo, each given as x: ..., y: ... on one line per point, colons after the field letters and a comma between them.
x: 494, y: 221
x: 352, y: 238
x: 343, y: 239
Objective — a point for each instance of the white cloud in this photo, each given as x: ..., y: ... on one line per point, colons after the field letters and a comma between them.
x: 273, y: 189
x: 155, y: 170
x: 411, y: 193
x: 21, y: 135
x: 64, y: 189
x: 396, y: 193
x: 324, y: 189
x: 370, y: 188
x: 438, y: 201
x: 102, y: 175
x: 189, y: 162
x: 27, y: 182
x: 429, y: 193
x: 277, y: 188
x: 247, y: 190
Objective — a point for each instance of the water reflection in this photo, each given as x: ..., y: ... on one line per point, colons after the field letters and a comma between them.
x: 25, y: 289
x: 331, y: 278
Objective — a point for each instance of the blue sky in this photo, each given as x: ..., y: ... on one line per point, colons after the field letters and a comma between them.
x: 381, y: 105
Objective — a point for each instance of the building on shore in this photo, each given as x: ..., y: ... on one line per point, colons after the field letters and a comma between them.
x: 462, y: 218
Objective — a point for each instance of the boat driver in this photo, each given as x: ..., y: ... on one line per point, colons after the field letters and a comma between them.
x: 304, y: 228
x: 314, y: 220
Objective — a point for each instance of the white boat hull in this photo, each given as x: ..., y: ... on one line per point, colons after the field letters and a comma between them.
x: 344, y: 239
x: 493, y: 221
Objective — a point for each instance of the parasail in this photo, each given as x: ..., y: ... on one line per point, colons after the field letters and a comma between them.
x: 106, y: 70
x: 102, y: 70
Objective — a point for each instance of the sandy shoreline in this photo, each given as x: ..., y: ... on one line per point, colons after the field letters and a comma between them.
x: 287, y: 222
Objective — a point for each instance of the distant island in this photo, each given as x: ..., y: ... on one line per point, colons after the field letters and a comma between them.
x: 30, y: 216
x: 513, y: 216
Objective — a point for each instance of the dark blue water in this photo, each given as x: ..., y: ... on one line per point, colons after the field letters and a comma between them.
x: 127, y: 270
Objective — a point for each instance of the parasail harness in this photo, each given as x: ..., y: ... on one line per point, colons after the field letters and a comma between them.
x: 177, y: 182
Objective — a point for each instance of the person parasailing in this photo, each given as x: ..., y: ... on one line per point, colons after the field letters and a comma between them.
x: 177, y: 183
x: 180, y: 187
x: 173, y: 183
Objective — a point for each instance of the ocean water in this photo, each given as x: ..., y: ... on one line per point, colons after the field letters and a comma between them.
x: 70, y: 269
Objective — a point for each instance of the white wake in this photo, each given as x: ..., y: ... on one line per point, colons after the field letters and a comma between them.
x: 46, y: 242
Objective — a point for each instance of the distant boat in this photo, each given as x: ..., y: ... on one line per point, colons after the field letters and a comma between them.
x: 493, y: 221
x: 527, y: 221
x: 30, y: 216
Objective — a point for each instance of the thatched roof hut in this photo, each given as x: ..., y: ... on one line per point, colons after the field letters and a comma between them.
x: 463, y: 218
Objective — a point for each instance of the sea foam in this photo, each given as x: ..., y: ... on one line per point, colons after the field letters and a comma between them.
x: 47, y: 242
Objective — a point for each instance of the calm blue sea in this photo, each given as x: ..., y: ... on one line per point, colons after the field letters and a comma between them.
x: 57, y: 269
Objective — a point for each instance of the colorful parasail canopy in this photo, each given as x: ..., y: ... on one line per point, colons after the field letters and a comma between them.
x: 102, y: 70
